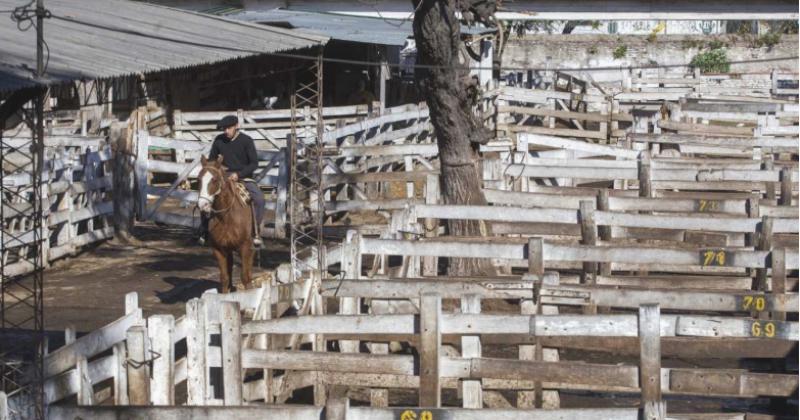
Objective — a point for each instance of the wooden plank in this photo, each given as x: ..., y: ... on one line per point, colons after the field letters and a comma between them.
x: 120, y: 356
x: 650, y: 362
x: 355, y: 178
x: 351, y: 267
x: 85, y: 390
x: 138, y: 368
x: 531, y: 199
x: 588, y: 237
x: 430, y: 390
x: 471, y: 391
x: 566, y: 132
x: 160, y: 329
x: 557, y: 252
x: 568, y: 171
x: 561, y: 143
x: 91, y: 344
x: 490, y: 213
x: 196, y: 341
x: 231, y: 353
x: 300, y: 412
x: 543, y: 112
x: 327, y: 361
x: 779, y: 281
x: 705, y: 128
x: 389, y: 150
x: 535, y: 325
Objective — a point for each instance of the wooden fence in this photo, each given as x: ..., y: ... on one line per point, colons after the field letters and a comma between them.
x: 271, y: 126
x: 240, y: 367
x: 180, y: 161
x: 360, y: 153
x: 77, y: 201
x: 743, y: 85
x: 745, y: 105
x: 541, y: 111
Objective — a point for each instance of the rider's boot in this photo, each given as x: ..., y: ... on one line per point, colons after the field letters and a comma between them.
x: 202, y: 234
x: 202, y: 238
x: 256, y: 230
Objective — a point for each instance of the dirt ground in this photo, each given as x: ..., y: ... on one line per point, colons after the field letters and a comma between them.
x: 166, y: 269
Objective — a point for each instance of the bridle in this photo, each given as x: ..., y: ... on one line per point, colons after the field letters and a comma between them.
x: 210, y: 199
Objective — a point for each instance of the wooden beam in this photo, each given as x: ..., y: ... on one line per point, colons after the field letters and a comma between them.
x: 430, y: 389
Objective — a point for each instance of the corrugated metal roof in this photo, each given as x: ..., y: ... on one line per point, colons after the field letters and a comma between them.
x: 95, y: 39
x: 346, y: 28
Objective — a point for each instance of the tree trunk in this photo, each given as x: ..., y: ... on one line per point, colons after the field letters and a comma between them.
x: 450, y: 94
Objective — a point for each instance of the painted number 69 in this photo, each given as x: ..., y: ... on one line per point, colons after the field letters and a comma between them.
x: 763, y: 329
x: 411, y: 415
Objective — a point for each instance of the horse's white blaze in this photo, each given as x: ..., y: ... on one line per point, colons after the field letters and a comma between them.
x: 205, y: 197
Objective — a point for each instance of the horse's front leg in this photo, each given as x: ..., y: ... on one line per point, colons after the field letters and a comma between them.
x: 230, y: 271
x: 246, y: 251
x: 224, y: 273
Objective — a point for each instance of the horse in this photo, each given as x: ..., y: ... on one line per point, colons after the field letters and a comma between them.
x: 230, y: 227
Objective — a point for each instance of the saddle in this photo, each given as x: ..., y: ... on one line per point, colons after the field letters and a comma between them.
x: 241, y: 192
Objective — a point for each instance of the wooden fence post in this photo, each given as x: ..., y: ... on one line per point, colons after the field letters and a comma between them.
x: 430, y: 315
x: 231, y: 329
x: 138, y: 368
x: 650, y: 363
x: 142, y: 158
x: 131, y: 302
x: 764, y: 235
x: 786, y: 187
x: 85, y: 388
x: 430, y: 265
x: 351, y: 266
x: 644, y: 166
x: 4, y: 406
x: 196, y: 342
x: 264, y: 339
x: 768, y: 165
x: 282, y: 194
x: 471, y: 391
x: 779, y: 279
x: 337, y: 408
x: 316, y: 307
x: 160, y: 328
x: 588, y: 237
x: 120, y: 375
x: 528, y: 399
x: 604, y: 232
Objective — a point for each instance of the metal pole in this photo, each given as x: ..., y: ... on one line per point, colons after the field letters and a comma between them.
x: 40, y: 233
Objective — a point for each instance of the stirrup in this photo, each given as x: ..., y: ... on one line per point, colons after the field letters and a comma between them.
x: 257, y: 242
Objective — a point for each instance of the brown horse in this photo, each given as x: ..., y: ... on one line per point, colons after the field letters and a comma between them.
x: 230, y: 226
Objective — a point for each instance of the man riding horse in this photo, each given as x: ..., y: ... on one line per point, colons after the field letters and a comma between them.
x: 239, y: 154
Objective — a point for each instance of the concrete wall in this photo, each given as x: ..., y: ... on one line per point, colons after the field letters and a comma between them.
x: 636, y: 27
x: 593, y: 51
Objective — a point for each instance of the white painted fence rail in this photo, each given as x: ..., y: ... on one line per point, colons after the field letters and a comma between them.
x: 77, y: 202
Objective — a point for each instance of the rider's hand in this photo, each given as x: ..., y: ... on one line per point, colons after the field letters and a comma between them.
x: 234, y: 177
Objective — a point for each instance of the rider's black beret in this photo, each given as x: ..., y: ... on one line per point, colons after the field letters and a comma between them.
x: 227, y: 121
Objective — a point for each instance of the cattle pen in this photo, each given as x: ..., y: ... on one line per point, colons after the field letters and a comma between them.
x: 644, y: 247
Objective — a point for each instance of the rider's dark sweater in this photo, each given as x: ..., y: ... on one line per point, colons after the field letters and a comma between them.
x: 238, y: 155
